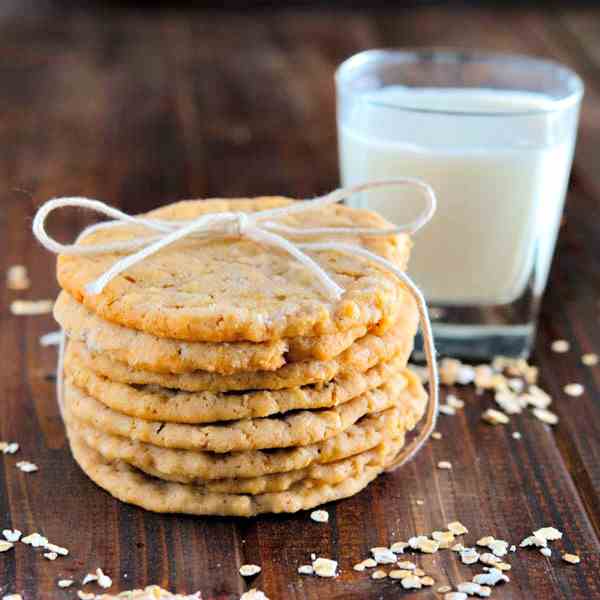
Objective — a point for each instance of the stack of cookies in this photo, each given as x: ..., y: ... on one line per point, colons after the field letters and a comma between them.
x: 215, y: 377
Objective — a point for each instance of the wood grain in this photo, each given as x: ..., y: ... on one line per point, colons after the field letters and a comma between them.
x: 140, y: 108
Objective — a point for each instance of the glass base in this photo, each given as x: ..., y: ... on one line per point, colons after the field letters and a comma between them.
x: 480, y: 342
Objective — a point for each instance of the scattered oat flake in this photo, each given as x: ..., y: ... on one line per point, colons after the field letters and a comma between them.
x: 308, y: 570
x: 487, y: 558
x: 590, y: 359
x: 444, y: 464
x: 50, y: 555
x: 560, y: 346
x: 516, y: 435
x: 320, y: 516
x: 455, y: 596
x: 469, y: 556
x: 444, y: 538
x: 436, y: 435
x: 443, y: 589
x: 325, y: 567
x: 5, y: 546
x: 12, y: 597
x: 498, y: 547
x: 491, y: 578
x: 65, y: 583
x: 454, y: 402
x: 419, y: 572
x: 427, y: 581
x: 89, y: 578
x: 494, y: 417
x: 545, y: 416
x: 399, y: 573
x: 419, y: 502
x: 12, y: 535
x: 457, y: 528
x: 406, y: 565
x: 31, y: 307
x: 399, y: 547
x: 35, y: 540
x: 573, y: 389
x: 253, y: 594
x: 412, y: 582
x: 58, y: 549
x: 474, y: 589
x: 9, y: 447
x: 249, y: 570
x: 548, y: 533
x: 17, y: 278
x: 571, y: 558
x: 86, y: 595
x: 26, y: 466
x: 446, y: 409
x: 104, y: 580
x: 383, y: 556
x: 379, y: 574
x: 546, y: 552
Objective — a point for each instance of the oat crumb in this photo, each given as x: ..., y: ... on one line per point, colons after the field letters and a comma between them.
x: 412, y: 582
x: 444, y: 464
x: 379, y: 574
x: 325, y: 567
x: 546, y: 552
x: 320, y: 516
x: 308, y: 570
x: 31, y: 307
x: 571, y: 558
x: 495, y: 417
x: 590, y: 359
x: 455, y: 596
x: 560, y: 346
x: 65, y: 583
x: 249, y: 570
x: 436, y: 435
x: 9, y: 447
x: 457, y: 528
x: 252, y: 594
x: 573, y: 389
x: 17, y: 278
x: 104, y: 580
x: 5, y: 546
x: 516, y: 435
x: 26, y: 466
x: 545, y: 416
x: 12, y: 535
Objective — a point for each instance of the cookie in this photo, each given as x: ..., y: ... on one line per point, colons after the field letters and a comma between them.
x: 298, y: 428
x: 165, y: 404
x: 229, y: 289
x: 368, y: 432
x: 144, y: 351
x: 360, y: 356
x: 127, y: 484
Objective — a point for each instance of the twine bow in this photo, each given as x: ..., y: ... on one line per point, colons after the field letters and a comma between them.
x: 261, y: 227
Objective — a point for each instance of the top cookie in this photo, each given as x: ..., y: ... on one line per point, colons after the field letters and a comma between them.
x: 228, y: 290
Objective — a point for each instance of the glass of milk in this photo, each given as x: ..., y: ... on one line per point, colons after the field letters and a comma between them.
x: 494, y: 136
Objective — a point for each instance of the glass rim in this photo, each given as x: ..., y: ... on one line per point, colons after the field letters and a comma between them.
x: 454, y: 55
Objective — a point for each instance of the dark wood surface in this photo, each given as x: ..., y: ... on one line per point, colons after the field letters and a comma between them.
x: 139, y: 109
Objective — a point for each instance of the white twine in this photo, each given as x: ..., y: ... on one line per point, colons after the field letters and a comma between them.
x: 262, y: 228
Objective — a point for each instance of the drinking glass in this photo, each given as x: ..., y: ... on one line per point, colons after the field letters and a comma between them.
x: 493, y: 134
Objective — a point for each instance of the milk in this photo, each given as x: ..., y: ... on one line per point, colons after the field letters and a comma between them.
x: 500, y: 175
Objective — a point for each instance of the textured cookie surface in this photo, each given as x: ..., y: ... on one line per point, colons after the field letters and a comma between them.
x: 367, y: 433
x: 298, y: 428
x: 157, y: 403
x: 222, y: 290
x: 365, y: 353
x: 130, y: 485
x: 145, y: 351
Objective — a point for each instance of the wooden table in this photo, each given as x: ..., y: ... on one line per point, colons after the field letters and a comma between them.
x: 141, y: 108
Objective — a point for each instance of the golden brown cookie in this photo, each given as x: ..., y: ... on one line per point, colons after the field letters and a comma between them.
x: 128, y: 484
x: 144, y: 351
x: 298, y: 428
x: 229, y: 290
x: 165, y: 404
x: 364, y: 354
